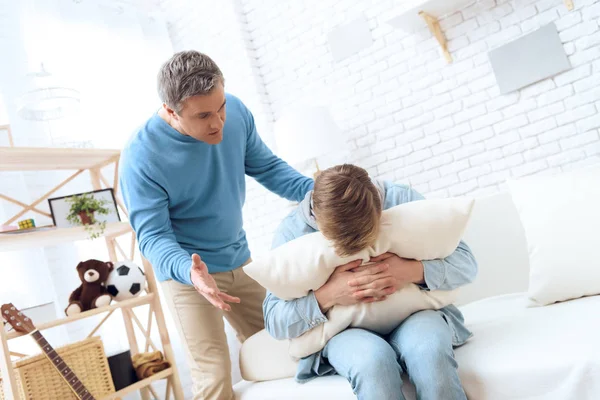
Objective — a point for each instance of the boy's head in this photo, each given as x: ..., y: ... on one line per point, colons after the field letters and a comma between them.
x: 347, y: 207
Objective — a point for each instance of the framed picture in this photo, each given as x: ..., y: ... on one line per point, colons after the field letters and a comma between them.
x: 89, y: 208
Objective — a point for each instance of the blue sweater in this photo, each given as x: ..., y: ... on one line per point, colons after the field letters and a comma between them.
x: 185, y: 196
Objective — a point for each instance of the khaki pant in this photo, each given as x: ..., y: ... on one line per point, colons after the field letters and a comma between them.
x: 202, y: 330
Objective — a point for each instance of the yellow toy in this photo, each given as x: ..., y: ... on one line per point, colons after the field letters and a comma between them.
x: 27, y: 223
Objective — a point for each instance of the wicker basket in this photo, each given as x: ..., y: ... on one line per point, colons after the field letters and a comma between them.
x: 38, y: 380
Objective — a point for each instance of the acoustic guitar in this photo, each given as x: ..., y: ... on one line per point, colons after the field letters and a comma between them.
x: 23, y: 324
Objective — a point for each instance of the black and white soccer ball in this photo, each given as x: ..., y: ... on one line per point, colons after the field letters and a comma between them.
x: 126, y: 281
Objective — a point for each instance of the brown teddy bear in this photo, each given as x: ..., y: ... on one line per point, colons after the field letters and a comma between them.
x: 92, y: 292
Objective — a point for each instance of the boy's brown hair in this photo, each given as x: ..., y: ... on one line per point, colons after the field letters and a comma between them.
x: 347, y: 206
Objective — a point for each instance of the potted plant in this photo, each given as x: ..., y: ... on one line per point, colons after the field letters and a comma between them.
x: 84, y: 208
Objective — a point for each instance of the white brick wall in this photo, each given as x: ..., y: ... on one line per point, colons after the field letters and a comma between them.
x: 408, y: 116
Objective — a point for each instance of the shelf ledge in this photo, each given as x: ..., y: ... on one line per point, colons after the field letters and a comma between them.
x: 135, y: 302
x: 50, y: 237
x: 140, y: 385
x: 407, y: 12
x: 52, y: 159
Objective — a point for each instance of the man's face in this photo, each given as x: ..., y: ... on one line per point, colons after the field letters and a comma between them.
x: 203, y: 117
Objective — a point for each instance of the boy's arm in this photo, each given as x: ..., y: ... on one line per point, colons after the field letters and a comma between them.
x: 290, y: 319
x: 454, y: 271
x: 271, y: 171
x: 458, y: 269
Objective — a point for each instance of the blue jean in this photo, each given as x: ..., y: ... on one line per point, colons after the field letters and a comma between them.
x: 421, y: 346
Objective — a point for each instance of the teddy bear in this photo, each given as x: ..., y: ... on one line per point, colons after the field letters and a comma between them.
x: 92, y: 292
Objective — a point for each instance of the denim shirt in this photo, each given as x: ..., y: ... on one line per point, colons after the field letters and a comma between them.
x: 290, y: 319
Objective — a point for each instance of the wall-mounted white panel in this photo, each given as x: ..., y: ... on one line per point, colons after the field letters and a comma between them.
x: 529, y: 59
x: 347, y: 40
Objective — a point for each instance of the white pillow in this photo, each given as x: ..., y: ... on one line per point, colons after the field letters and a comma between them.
x: 264, y: 358
x: 381, y: 317
x: 420, y: 230
x: 561, y: 218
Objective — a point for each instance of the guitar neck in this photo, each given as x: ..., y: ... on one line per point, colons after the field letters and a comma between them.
x: 66, y: 372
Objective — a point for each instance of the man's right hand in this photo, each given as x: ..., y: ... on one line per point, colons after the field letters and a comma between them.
x: 337, y: 290
x: 205, y: 285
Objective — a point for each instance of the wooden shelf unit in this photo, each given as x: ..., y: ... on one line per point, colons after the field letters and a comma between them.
x: 92, y: 161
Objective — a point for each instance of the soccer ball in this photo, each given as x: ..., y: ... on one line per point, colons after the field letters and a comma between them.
x: 126, y: 281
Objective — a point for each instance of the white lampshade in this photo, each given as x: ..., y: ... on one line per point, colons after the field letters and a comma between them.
x: 46, y: 98
x: 306, y: 133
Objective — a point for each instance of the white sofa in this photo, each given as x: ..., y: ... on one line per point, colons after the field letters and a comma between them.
x: 517, y: 352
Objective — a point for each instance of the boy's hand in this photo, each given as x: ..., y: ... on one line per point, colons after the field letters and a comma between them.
x: 403, y: 271
x: 338, y: 291
x: 205, y: 285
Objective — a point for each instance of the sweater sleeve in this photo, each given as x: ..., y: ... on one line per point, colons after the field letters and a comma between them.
x: 148, y: 206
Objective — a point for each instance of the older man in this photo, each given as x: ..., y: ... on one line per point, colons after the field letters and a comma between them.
x: 183, y: 181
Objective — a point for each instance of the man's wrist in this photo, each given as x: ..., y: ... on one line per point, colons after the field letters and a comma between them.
x: 191, y: 274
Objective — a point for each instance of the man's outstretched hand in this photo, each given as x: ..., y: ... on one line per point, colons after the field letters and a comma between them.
x: 205, y: 285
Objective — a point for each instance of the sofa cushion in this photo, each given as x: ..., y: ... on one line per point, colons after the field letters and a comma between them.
x: 325, y: 388
x: 497, y: 240
x: 257, y: 364
x: 517, y: 352
x: 550, y: 353
x: 561, y: 217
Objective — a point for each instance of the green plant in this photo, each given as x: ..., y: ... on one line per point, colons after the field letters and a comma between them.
x: 84, y: 208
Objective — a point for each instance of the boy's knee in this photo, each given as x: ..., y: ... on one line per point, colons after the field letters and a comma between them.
x: 430, y: 346
x: 376, y: 362
x: 433, y: 354
x: 424, y: 335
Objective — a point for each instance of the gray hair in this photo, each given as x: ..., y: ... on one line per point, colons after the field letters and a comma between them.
x: 186, y: 74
